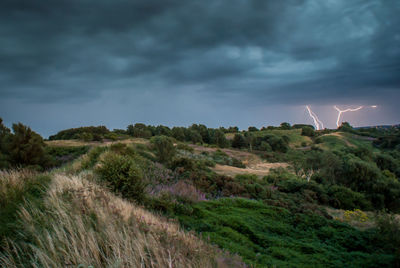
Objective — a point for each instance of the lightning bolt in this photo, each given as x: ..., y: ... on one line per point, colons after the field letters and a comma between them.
x: 340, y: 112
x: 318, y: 123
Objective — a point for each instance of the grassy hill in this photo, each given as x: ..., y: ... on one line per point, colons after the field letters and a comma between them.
x: 265, y: 198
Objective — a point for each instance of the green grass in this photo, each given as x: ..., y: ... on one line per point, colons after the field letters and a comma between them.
x: 12, y: 197
x: 271, y: 236
x: 359, y: 141
x: 332, y: 142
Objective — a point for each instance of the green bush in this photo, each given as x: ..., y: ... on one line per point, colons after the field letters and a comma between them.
x: 122, y: 175
x: 389, y: 232
x: 185, y: 147
x: 307, y: 131
x: 345, y: 198
x: 386, y: 161
x: 164, y: 148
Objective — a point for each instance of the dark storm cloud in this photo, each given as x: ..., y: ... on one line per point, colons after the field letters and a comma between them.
x: 248, y: 51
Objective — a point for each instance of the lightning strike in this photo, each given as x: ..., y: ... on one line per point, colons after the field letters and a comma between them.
x: 340, y: 112
x: 318, y: 123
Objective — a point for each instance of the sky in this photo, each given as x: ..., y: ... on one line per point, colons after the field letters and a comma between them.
x: 71, y: 63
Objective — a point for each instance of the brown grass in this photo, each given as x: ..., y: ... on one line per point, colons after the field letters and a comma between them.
x: 14, y: 179
x: 84, y: 224
x: 73, y: 143
x: 260, y: 169
x: 246, y: 157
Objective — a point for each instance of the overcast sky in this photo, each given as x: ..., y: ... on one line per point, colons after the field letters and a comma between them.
x: 235, y: 62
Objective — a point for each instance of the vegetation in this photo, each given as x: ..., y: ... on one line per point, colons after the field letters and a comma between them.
x: 271, y: 236
x: 285, y: 217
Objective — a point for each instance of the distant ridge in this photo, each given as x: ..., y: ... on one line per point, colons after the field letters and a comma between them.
x: 381, y: 126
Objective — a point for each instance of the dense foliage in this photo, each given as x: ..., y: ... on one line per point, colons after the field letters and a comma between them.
x: 271, y: 236
x: 84, y: 133
x: 22, y: 147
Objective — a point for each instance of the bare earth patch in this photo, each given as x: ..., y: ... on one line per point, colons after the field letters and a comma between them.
x: 339, y: 214
x: 254, y: 164
x: 261, y: 169
x: 246, y: 157
x: 73, y: 143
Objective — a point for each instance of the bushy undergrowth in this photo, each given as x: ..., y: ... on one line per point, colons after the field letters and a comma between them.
x: 270, y: 236
x: 64, y: 154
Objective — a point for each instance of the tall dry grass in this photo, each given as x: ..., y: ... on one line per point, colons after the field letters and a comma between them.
x: 14, y: 180
x: 85, y: 224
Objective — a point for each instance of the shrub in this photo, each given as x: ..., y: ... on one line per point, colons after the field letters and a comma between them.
x: 345, y: 198
x: 360, y: 175
x: 185, y: 147
x: 122, y: 175
x: 389, y: 231
x: 187, y: 164
x: 164, y: 148
x: 85, y: 136
x: 385, y: 161
x: 307, y: 131
x: 355, y: 215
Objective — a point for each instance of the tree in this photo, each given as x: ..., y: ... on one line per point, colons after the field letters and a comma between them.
x: 220, y: 139
x: 239, y: 141
x: 139, y: 130
x: 4, y: 136
x: 26, y: 147
x: 285, y: 126
x: 307, y: 131
x: 233, y: 129
x: 252, y: 129
x: 178, y: 133
x: 164, y: 148
x: 194, y: 136
x: 346, y: 127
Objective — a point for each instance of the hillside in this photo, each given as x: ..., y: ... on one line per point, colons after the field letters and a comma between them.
x: 284, y: 197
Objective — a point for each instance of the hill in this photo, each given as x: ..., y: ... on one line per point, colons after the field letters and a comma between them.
x: 281, y: 196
